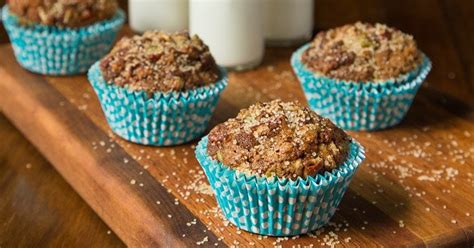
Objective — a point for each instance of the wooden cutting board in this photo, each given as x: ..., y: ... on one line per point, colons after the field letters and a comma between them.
x: 415, y: 188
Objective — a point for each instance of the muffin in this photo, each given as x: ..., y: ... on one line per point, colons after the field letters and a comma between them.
x: 160, y: 62
x: 278, y: 168
x: 362, y: 76
x: 158, y: 88
x: 63, y: 13
x: 61, y: 37
x: 279, y: 139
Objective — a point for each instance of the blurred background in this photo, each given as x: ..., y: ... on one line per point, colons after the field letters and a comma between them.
x: 39, y: 207
x: 442, y: 28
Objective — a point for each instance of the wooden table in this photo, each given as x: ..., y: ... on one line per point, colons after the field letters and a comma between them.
x: 390, y: 201
x: 37, y: 207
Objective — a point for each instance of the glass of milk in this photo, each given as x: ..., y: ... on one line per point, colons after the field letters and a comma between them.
x: 288, y: 22
x: 233, y: 30
x: 163, y: 15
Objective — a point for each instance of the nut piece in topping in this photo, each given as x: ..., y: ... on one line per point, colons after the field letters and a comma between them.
x: 277, y: 138
x: 160, y: 62
x: 63, y: 13
x: 362, y: 52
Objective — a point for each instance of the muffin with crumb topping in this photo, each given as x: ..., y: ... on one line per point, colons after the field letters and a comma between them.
x: 158, y: 88
x: 362, y: 76
x: 61, y: 37
x: 160, y: 62
x: 278, y: 168
x: 63, y: 13
x: 279, y: 139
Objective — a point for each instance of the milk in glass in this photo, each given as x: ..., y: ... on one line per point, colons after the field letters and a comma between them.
x: 163, y: 15
x: 233, y: 30
x: 288, y: 22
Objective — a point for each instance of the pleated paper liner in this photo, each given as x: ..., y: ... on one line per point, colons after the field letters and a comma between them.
x: 162, y: 119
x: 278, y: 207
x: 53, y: 50
x: 360, y: 105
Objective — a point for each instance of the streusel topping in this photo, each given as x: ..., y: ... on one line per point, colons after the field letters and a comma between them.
x: 281, y: 139
x: 63, y: 13
x: 362, y: 52
x: 159, y: 61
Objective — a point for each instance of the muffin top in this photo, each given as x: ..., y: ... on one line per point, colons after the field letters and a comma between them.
x: 160, y: 62
x: 63, y: 13
x: 362, y: 52
x: 277, y: 138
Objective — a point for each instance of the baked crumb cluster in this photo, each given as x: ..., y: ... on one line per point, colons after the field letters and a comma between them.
x: 158, y: 61
x: 63, y: 13
x: 362, y: 52
x: 281, y: 139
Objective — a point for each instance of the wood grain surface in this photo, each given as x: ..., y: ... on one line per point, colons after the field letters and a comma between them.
x: 414, y: 189
x: 37, y: 207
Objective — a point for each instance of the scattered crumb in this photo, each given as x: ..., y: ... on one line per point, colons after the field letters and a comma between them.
x: 393, y: 166
x: 82, y: 107
x: 401, y: 224
x: 206, y: 239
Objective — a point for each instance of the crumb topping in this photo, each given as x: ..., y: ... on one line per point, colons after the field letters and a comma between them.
x: 279, y: 138
x: 362, y: 52
x: 158, y: 61
x: 63, y: 13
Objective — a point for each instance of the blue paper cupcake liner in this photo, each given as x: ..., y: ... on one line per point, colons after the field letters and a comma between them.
x: 275, y: 206
x: 60, y: 51
x: 162, y: 119
x: 360, y: 105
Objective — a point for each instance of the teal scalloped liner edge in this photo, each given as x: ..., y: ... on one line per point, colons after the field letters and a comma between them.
x: 278, y: 207
x: 359, y: 106
x: 60, y: 51
x: 162, y: 119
